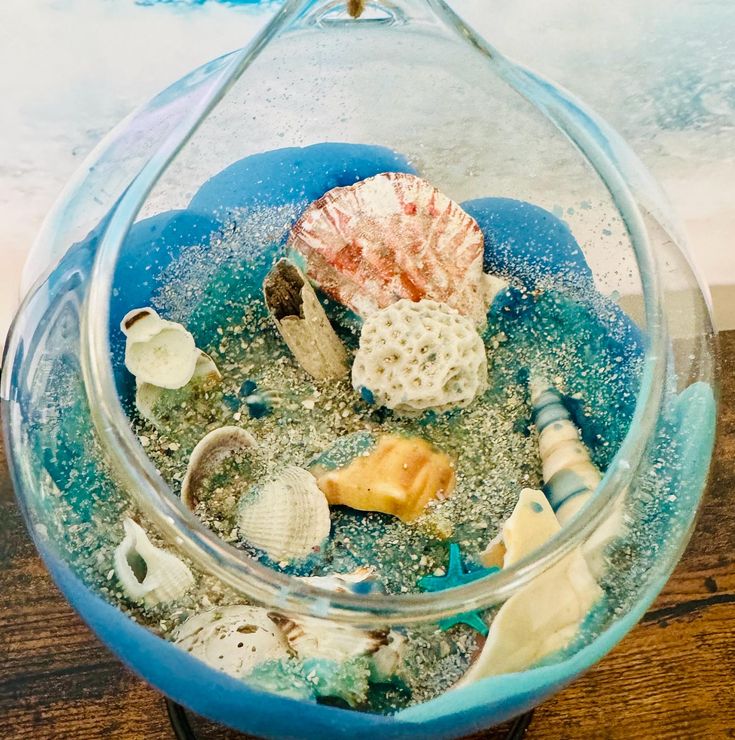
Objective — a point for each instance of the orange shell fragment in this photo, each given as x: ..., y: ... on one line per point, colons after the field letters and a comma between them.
x: 399, y: 477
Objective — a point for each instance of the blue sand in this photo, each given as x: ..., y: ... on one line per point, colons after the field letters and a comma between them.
x: 456, y: 575
x: 294, y: 175
x: 527, y: 243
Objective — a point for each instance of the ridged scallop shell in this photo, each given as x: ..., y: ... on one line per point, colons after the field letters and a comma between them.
x: 400, y: 476
x: 288, y: 518
x: 209, y: 454
x: 162, y: 353
x: 310, y: 637
x: 233, y: 639
x: 389, y: 237
x: 148, y: 574
x: 532, y: 523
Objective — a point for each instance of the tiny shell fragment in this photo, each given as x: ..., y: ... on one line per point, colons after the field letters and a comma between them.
x: 399, y: 477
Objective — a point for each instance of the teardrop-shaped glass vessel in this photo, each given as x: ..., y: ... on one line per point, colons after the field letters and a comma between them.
x: 186, y: 208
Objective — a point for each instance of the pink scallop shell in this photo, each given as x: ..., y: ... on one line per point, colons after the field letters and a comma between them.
x: 389, y: 237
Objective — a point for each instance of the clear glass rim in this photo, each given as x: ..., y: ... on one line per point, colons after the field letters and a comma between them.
x: 259, y: 582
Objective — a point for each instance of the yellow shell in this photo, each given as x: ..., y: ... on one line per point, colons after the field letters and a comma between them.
x: 400, y: 476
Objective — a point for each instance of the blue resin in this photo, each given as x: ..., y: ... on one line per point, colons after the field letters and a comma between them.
x: 527, y: 243
x: 292, y: 176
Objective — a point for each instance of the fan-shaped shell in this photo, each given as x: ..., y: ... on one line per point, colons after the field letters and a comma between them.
x: 209, y: 454
x: 389, y: 237
x: 233, y: 639
x: 288, y: 518
x: 162, y: 353
x: 147, y: 573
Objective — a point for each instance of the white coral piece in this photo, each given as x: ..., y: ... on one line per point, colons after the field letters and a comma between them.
x: 418, y: 356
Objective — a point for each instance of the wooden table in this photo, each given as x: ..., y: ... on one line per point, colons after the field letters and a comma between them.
x: 673, y: 676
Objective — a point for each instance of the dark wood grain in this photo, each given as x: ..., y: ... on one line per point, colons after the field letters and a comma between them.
x: 673, y: 676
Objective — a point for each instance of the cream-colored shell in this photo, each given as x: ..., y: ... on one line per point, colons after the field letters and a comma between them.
x: 233, y: 639
x: 538, y: 620
x: 310, y: 637
x: 210, y: 452
x: 148, y: 574
x: 531, y: 524
x: 421, y: 356
x: 288, y: 518
x: 543, y: 616
x: 162, y: 353
x: 147, y: 396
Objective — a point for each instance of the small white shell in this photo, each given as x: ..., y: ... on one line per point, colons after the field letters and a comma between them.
x: 310, y: 637
x: 233, y: 639
x: 208, y: 455
x: 532, y: 523
x: 343, y: 582
x: 162, y: 353
x: 387, y: 660
x: 147, y: 573
x: 147, y: 396
x: 288, y: 518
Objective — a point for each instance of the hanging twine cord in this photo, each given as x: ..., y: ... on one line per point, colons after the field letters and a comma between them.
x: 355, y: 7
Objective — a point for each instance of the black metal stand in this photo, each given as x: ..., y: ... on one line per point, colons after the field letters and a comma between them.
x: 183, y: 730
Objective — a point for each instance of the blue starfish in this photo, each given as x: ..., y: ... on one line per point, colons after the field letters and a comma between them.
x: 456, y: 575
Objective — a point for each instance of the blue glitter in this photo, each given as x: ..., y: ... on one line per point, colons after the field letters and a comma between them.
x: 456, y: 575
x: 257, y: 408
x: 248, y: 388
x: 367, y: 395
x: 232, y: 402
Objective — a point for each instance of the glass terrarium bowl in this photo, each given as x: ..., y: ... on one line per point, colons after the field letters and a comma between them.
x: 186, y: 206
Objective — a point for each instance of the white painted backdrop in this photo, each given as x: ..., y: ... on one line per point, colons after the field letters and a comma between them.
x: 661, y: 71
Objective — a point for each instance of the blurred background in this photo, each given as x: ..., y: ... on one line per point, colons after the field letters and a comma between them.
x: 660, y: 71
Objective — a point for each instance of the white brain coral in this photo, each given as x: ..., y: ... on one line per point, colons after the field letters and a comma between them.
x: 420, y: 356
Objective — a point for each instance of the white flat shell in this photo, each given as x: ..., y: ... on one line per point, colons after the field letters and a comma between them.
x: 162, y: 353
